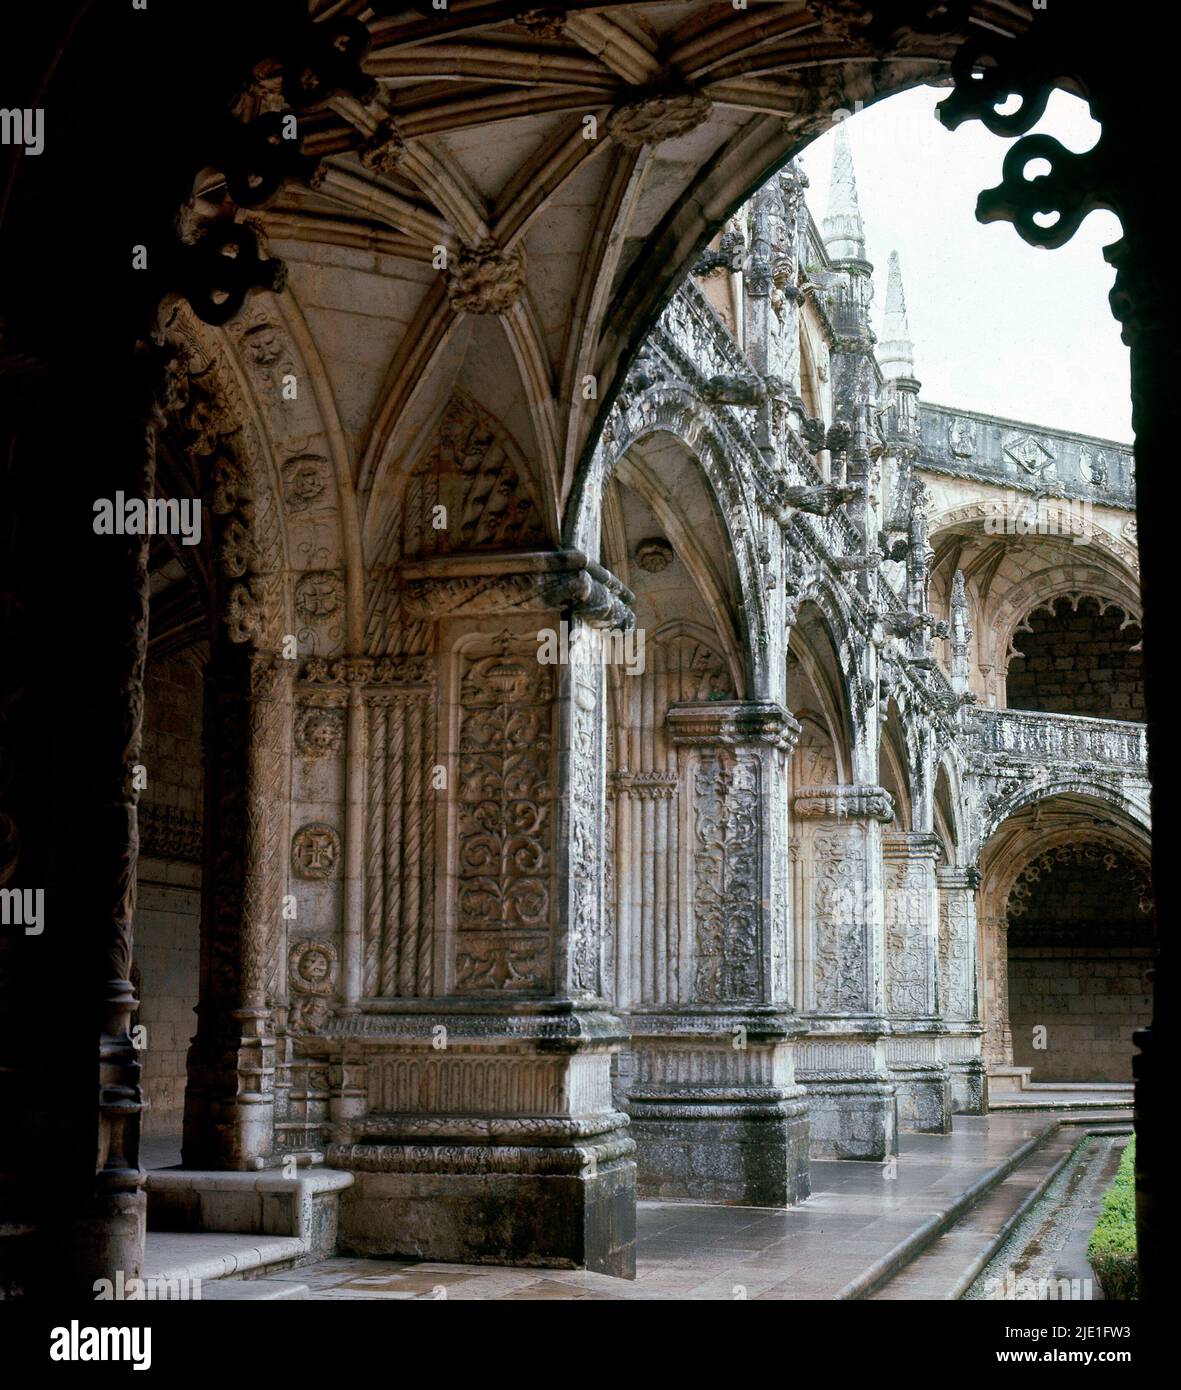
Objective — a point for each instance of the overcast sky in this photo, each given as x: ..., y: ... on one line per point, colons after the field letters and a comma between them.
x: 998, y: 325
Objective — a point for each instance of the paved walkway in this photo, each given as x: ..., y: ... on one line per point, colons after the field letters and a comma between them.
x: 862, y: 1221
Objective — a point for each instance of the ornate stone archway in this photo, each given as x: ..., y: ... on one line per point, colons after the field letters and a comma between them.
x: 378, y: 179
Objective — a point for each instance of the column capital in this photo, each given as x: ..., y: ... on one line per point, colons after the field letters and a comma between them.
x: 910, y: 844
x: 856, y: 801
x: 728, y: 722
x: 461, y: 586
x: 955, y: 876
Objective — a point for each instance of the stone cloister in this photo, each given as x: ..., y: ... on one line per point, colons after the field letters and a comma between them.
x: 614, y: 737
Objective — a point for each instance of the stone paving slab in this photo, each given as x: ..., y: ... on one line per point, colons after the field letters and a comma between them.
x: 862, y: 1217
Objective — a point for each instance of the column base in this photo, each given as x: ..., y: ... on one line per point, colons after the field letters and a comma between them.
x: 109, y: 1238
x: 969, y: 1079
x: 736, y: 1150
x: 921, y: 1080
x: 852, y: 1104
x: 490, y: 1137
x: 715, y: 1110
x: 584, y: 1219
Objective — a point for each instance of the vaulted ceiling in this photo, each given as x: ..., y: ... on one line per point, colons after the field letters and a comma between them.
x: 505, y: 197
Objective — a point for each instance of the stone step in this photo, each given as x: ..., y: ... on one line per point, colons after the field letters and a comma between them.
x: 1029, y: 1100
x: 926, y: 1232
x: 183, y: 1258
x: 951, y: 1263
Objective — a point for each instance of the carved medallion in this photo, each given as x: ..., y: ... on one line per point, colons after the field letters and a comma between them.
x: 318, y: 594
x: 319, y: 732
x: 315, y: 852
x: 304, y: 479
x: 1029, y: 452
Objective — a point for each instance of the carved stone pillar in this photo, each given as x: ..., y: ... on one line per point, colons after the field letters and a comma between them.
x: 915, y: 1050
x: 229, y: 1098
x: 716, y: 1111
x: 958, y: 989
x: 488, y: 1131
x: 998, y: 1036
x: 842, y: 1059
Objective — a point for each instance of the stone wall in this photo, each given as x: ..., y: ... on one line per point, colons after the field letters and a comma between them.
x: 1089, y: 1007
x: 1079, y: 946
x: 167, y: 936
x: 1078, y: 662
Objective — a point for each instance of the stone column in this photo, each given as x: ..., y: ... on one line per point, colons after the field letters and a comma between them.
x: 842, y: 1059
x: 958, y: 988
x: 716, y: 1111
x: 488, y: 1132
x: 915, y: 1049
x: 229, y: 1098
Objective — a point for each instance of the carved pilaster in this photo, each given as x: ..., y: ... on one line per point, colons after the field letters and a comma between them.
x: 490, y: 1010
x: 914, y: 1050
x: 843, y: 1060
x: 959, y: 987
x: 715, y: 1108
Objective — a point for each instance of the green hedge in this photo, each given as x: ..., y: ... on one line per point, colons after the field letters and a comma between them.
x: 1112, y: 1249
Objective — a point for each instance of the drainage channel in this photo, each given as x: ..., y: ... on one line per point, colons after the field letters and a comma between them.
x: 1045, y: 1255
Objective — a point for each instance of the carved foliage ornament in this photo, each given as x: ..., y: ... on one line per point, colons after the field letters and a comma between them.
x: 470, y: 477
x: 663, y: 116
x: 505, y: 823
x: 727, y: 889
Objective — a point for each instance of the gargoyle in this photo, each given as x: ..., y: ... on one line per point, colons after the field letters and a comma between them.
x: 732, y: 389
x: 822, y: 500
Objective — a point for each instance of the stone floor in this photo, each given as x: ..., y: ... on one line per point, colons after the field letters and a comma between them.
x: 863, y: 1219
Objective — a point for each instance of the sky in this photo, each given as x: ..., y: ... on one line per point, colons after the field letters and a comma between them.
x: 998, y: 326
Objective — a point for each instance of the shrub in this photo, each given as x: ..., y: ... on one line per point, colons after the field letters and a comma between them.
x: 1112, y: 1248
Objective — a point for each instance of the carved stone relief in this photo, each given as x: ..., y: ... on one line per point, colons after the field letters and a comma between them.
x: 505, y: 832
